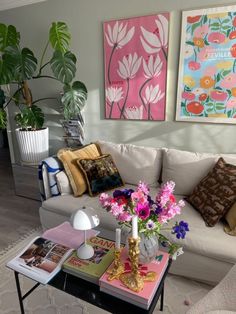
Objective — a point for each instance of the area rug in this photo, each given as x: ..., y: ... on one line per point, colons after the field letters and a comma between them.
x: 179, y: 292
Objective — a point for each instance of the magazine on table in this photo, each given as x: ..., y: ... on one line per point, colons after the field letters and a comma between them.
x: 143, y: 298
x: 41, y: 260
x: 92, y: 269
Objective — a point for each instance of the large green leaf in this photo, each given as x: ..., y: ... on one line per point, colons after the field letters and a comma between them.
x: 30, y: 117
x: 63, y: 66
x: 24, y: 61
x: 8, y: 36
x: 7, y: 67
x: 59, y: 36
x: 74, y: 99
x: 3, y: 119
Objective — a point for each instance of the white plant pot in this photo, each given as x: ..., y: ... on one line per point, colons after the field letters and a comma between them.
x: 33, y: 145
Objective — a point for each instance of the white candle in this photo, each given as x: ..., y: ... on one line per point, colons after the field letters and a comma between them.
x: 135, y: 227
x: 118, y: 232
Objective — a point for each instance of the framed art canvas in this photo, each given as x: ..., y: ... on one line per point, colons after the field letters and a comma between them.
x: 207, y: 67
x: 135, y: 58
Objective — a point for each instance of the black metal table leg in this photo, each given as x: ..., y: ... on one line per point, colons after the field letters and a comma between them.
x: 19, y: 292
x: 162, y: 299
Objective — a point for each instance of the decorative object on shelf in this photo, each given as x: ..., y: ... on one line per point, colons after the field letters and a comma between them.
x: 85, y: 219
x: 135, y: 53
x: 152, y: 215
x: 62, y: 63
x: 207, y: 78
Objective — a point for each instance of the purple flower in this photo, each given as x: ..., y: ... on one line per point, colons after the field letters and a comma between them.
x: 143, y: 211
x: 150, y: 224
x: 158, y: 209
x: 180, y: 229
x: 125, y: 193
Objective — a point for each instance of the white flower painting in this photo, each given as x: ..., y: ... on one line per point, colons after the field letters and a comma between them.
x: 135, y: 57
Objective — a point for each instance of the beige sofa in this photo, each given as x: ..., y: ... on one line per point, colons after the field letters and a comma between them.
x: 209, y: 252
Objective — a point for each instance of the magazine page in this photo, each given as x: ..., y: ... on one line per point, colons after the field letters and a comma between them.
x: 66, y: 235
x: 40, y: 260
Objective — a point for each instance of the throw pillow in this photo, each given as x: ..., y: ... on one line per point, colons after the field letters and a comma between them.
x: 69, y: 158
x: 230, y: 217
x: 135, y: 163
x: 215, y: 193
x: 101, y: 174
x: 63, y: 183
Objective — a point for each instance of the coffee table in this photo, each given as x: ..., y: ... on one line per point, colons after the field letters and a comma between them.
x: 91, y: 293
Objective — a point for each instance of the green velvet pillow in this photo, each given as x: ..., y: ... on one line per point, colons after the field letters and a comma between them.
x: 100, y: 173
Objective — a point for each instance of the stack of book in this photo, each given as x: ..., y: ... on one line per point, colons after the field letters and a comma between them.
x: 143, y: 298
x: 93, y: 268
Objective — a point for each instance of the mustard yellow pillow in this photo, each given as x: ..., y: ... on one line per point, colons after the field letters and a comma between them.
x: 230, y: 217
x: 75, y: 175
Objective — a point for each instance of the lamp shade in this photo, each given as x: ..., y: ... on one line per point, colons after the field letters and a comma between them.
x: 85, y: 219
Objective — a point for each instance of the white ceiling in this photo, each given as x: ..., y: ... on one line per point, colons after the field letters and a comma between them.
x: 9, y: 4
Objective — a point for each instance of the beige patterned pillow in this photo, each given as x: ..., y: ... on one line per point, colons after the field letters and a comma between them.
x: 215, y: 194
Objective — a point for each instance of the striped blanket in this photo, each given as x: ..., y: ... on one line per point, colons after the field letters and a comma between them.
x: 47, y: 171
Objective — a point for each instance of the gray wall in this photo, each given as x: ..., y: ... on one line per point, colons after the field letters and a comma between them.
x: 84, y: 18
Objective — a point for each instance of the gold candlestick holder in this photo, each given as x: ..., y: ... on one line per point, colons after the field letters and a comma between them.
x: 118, y: 268
x: 133, y: 280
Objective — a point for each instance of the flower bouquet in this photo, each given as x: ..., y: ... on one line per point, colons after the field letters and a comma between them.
x: 153, y: 215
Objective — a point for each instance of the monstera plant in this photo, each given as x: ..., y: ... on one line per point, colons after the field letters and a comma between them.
x: 19, y: 67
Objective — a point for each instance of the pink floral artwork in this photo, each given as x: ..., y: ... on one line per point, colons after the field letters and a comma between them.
x: 207, y: 67
x: 135, y: 57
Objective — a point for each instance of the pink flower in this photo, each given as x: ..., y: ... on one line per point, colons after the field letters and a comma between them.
x: 229, y: 81
x: 125, y: 216
x: 139, y: 197
x: 143, y: 187
x: 117, y: 209
x: 216, y: 38
x: 105, y: 200
x: 201, y: 31
x: 205, y: 53
x: 188, y: 96
x: 194, y: 66
x: 231, y: 104
x: 143, y: 211
x: 218, y: 95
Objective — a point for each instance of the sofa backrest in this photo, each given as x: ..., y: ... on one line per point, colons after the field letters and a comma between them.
x: 135, y: 163
x: 186, y: 168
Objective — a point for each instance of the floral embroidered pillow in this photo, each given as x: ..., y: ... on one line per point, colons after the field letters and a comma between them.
x: 100, y: 173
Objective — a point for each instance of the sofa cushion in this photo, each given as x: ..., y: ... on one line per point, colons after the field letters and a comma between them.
x: 101, y: 174
x: 187, y: 169
x: 135, y: 163
x: 230, y: 217
x: 215, y: 193
x: 69, y: 158
x: 210, y: 242
x: 63, y: 183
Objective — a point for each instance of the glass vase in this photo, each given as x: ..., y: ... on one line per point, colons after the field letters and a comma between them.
x: 148, y: 248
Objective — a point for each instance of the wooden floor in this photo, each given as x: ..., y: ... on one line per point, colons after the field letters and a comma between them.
x: 18, y: 215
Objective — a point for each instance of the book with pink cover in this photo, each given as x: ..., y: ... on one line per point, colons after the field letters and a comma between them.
x: 65, y: 234
x: 144, y: 297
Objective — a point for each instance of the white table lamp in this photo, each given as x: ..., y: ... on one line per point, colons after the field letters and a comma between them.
x: 85, y: 219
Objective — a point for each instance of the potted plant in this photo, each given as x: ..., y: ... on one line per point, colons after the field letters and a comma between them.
x: 18, y: 67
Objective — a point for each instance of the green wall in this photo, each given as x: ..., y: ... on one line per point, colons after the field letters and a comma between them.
x: 84, y: 18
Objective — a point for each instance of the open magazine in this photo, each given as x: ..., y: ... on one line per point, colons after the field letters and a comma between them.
x: 41, y: 260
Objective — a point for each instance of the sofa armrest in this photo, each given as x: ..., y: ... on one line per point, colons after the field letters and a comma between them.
x: 47, y: 171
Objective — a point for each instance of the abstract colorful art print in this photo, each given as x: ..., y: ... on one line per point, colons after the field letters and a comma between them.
x: 135, y: 57
x: 207, y: 68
